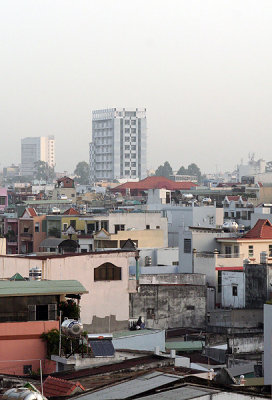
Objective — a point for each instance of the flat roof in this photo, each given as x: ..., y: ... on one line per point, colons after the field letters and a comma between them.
x: 185, y: 346
x: 36, y: 288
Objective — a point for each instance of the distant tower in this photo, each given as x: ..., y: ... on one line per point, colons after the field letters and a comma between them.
x: 118, y: 147
x: 35, y: 149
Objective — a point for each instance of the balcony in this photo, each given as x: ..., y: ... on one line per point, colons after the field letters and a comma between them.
x: 26, y: 235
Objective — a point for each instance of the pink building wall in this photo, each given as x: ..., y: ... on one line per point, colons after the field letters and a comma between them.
x: 21, y: 344
x: 106, y: 299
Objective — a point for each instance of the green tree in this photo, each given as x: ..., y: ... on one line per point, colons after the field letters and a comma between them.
x: 164, y: 170
x: 194, y: 170
x: 42, y: 171
x: 182, y: 171
x: 82, y: 173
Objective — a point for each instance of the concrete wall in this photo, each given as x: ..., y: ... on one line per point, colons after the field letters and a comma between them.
x: 248, y: 343
x: 239, y: 318
x: 106, y: 307
x: 170, y: 305
x: 257, y: 285
x: 2, y: 246
x: 145, y: 238
x: 145, y: 341
x: 267, y: 344
x: 21, y: 344
x: 230, y: 279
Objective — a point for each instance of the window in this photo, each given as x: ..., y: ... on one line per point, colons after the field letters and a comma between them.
x: 105, y: 225
x: 37, y: 227
x: 226, y: 214
x: 127, y: 147
x: 147, y: 227
x: 175, y: 263
x: 250, y: 251
x: 133, y: 155
x: 126, y: 121
x: 127, y: 172
x: 158, y: 227
x: 270, y: 251
x: 65, y: 226
x: 126, y: 138
x: 133, y: 172
x: 127, y: 164
x: 84, y: 250
x: 25, y: 230
x: 133, y: 138
x: 236, y: 250
x: 238, y: 214
x: 228, y: 251
x: 133, y: 147
x: 150, y: 313
x: 119, y: 228
x: 2, y: 200
x: 107, y: 272
x: 90, y: 228
x: 133, y: 164
x: 133, y: 130
x: 234, y: 290
x: 42, y: 312
x: 126, y: 130
x: 187, y: 245
x: 127, y: 155
x: 27, y: 369
x: 190, y: 307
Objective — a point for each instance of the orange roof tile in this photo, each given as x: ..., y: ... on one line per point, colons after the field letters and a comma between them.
x: 55, y: 387
x: 155, y: 182
x: 32, y: 212
x: 71, y: 211
x: 261, y: 230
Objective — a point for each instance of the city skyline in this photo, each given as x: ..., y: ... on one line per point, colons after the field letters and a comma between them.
x: 202, y: 70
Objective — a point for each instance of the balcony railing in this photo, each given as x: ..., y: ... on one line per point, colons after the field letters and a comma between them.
x: 232, y: 255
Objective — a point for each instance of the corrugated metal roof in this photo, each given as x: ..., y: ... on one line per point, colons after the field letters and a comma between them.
x: 183, y: 393
x: 51, y: 242
x: 35, y: 288
x: 185, y: 346
x: 133, y: 387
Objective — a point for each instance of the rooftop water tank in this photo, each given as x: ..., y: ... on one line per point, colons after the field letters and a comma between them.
x: 72, y: 328
x: 22, y: 394
x: 35, y: 274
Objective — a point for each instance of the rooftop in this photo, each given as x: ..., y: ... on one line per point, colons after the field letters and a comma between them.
x: 155, y: 182
x: 37, y: 288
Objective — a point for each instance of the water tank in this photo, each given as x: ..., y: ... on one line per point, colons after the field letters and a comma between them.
x: 22, y: 394
x: 263, y: 257
x: 35, y: 274
x: 230, y: 226
x: 72, y: 327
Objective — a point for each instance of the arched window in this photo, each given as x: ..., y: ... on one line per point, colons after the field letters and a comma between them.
x: 107, y: 272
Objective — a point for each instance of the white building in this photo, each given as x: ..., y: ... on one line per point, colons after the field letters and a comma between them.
x: 35, y: 149
x: 118, y: 147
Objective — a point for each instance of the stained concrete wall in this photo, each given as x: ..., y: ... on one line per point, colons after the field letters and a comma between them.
x: 170, y: 305
x: 238, y: 318
x: 267, y: 344
x: 247, y: 343
x: 256, y: 285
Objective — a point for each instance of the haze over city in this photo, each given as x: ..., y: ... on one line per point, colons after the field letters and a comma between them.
x: 201, y: 69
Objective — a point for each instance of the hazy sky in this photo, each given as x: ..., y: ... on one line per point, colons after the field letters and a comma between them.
x: 202, y: 68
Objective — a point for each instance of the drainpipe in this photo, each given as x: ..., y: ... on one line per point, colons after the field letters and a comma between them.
x: 137, y: 256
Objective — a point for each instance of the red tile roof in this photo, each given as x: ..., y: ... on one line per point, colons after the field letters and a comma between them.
x: 155, y: 182
x: 32, y: 212
x: 55, y: 387
x: 234, y: 198
x: 71, y: 211
x: 261, y: 230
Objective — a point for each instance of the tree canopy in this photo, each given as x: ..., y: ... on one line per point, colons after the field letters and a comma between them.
x: 164, y: 170
x: 191, y: 170
x: 42, y: 171
x: 82, y: 173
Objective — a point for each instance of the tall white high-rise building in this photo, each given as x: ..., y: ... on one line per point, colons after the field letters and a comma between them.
x: 118, y: 147
x: 36, y: 149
